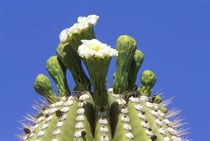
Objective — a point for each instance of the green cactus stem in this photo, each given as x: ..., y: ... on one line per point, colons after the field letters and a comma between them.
x: 148, y: 80
x: 67, y: 50
x: 121, y: 113
x: 126, y: 47
x: 96, y: 57
x: 135, y: 65
x: 57, y: 72
x: 72, y: 61
x: 43, y: 87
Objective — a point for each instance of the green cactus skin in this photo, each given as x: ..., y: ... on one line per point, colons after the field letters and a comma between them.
x: 75, y: 40
x: 126, y: 47
x: 135, y: 65
x: 122, y: 113
x: 43, y: 87
x: 72, y: 61
x: 97, y: 68
x: 57, y: 72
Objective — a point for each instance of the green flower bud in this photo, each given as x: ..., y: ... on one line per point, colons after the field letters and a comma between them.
x: 43, y: 87
x: 163, y: 109
x: 148, y: 80
x: 156, y: 99
x: 57, y: 72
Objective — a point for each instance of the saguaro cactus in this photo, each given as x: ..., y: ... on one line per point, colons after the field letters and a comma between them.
x: 123, y: 112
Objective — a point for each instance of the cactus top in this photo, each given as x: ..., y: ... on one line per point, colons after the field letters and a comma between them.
x: 83, y: 23
x: 95, y: 48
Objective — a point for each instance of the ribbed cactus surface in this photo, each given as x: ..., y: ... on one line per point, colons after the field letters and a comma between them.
x: 123, y: 112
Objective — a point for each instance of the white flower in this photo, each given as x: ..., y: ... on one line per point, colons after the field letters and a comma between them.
x: 83, y: 23
x: 93, y: 47
x: 91, y: 19
x: 64, y: 35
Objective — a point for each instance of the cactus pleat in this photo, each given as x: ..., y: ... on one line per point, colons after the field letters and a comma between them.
x: 121, y: 113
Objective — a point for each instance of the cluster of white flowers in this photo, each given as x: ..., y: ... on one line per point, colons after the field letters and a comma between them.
x: 95, y: 48
x: 83, y: 23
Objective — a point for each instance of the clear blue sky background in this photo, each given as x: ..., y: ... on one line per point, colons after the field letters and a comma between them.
x: 174, y: 36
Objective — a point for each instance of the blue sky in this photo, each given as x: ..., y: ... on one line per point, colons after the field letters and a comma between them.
x: 173, y: 35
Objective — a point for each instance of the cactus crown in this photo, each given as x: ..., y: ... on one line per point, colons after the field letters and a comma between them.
x: 123, y: 112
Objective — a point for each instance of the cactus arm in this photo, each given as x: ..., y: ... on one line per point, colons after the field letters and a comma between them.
x: 57, y: 72
x: 126, y: 47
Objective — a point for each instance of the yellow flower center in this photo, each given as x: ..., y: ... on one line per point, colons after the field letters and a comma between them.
x: 95, y: 47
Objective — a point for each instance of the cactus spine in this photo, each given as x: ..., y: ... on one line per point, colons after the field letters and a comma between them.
x: 123, y: 112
